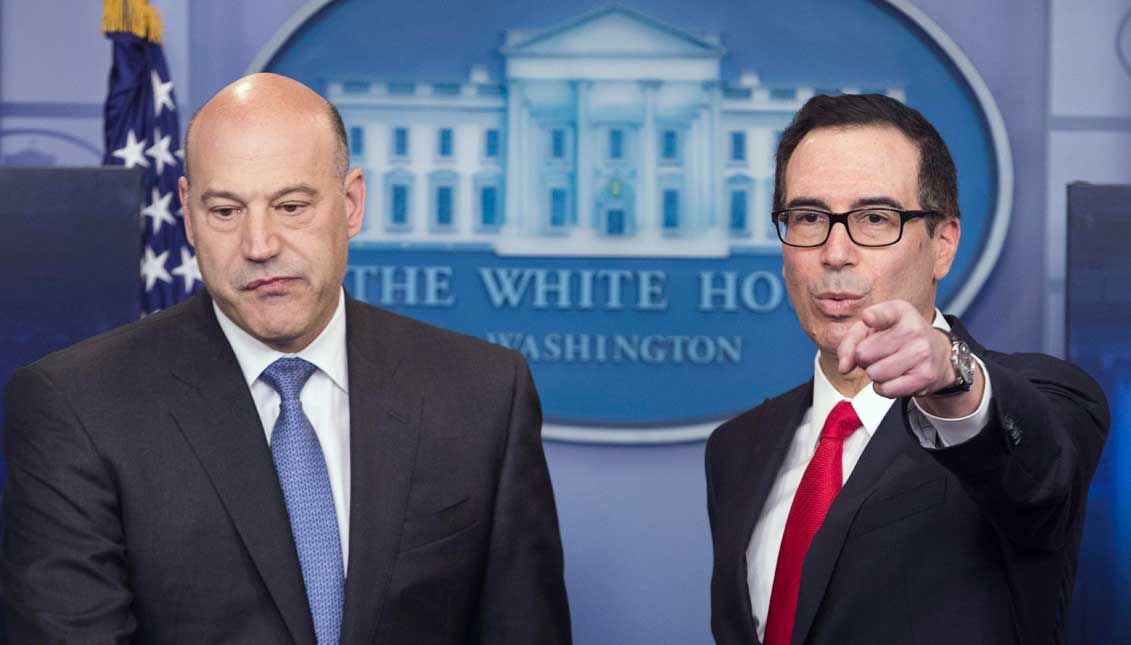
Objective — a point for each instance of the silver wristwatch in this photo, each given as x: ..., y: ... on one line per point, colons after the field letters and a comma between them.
x: 963, y: 362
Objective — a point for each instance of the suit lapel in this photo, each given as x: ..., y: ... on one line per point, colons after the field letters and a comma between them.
x: 384, y: 414
x: 217, y: 415
x: 882, y: 459
x: 764, y: 460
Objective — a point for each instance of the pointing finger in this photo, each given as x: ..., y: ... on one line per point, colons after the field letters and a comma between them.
x: 846, y: 351
x: 883, y: 315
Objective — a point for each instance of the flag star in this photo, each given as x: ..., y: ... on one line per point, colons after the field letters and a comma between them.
x: 160, y: 150
x: 131, y: 154
x: 153, y: 268
x: 162, y: 93
x: 188, y: 269
x: 158, y: 209
x: 180, y: 153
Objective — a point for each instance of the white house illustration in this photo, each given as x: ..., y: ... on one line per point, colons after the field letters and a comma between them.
x: 613, y: 134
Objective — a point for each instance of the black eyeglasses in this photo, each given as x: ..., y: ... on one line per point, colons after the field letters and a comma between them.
x: 807, y: 227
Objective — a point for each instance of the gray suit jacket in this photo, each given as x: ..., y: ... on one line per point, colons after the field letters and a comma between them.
x: 142, y: 502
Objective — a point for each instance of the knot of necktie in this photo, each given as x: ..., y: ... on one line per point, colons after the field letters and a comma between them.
x: 841, y: 423
x: 288, y: 376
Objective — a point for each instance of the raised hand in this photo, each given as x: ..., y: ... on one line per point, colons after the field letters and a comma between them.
x: 903, y: 355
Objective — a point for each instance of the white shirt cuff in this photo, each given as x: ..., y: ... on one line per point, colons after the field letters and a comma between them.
x: 938, y: 432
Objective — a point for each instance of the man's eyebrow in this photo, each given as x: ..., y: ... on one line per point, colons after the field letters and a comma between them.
x: 877, y: 201
x: 213, y: 193
x: 295, y: 188
x: 807, y: 202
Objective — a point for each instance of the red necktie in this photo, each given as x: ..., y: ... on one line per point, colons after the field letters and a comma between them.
x: 819, y: 485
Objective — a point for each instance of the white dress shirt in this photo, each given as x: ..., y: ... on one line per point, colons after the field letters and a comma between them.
x: 933, y: 432
x: 325, y: 399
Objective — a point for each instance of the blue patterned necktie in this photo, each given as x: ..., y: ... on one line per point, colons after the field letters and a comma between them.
x: 310, y: 504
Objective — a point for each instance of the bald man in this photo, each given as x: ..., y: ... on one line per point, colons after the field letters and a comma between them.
x: 273, y: 461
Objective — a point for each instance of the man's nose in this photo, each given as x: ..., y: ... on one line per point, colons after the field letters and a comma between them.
x: 259, y: 239
x: 839, y: 250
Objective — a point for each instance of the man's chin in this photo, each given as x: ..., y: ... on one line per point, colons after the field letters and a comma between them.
x: 832, y: 332
x: 282, y: 337
x: 276, y: 324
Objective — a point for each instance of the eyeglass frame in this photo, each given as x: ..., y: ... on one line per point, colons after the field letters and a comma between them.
x: 842, y: 218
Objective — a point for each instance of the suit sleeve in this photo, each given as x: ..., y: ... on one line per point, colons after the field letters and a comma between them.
x: 523, y: 598
x: 62, y: 561
x: 1030, y: 467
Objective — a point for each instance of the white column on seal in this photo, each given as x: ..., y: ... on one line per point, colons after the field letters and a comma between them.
x: 648, y: 220
x: 512, y: 219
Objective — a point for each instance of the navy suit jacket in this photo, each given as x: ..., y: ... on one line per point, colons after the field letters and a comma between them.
x: 975, y: 543
x: 142, y: 502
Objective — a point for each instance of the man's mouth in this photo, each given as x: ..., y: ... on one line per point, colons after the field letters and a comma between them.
x: 268, y: 285
x: 838, y: 304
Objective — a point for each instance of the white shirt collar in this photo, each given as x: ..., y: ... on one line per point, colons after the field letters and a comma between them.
x: 327, y: 352
x: 869, y: 406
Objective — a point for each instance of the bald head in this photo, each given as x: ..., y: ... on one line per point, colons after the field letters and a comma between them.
x: 258, y: 97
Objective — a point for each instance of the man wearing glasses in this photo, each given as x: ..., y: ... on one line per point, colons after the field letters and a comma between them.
x: 920, y: 488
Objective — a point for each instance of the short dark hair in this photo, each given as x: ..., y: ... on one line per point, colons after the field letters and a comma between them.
x: 938, y: 180
x: 341, y: 143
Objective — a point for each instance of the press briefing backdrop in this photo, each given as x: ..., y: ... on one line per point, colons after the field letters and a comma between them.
x: 617, y: 232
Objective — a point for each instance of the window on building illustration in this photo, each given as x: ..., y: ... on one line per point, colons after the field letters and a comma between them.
x: 356, y: 87
x: 445, y: 142
x: 357, y: 141
x: 557, y: 143
x: 671, y: 208
x: 444, y: 206
x: 488, y: 206
x: 557, y: 207
x: 669, y: 147
x: 491, y: 144
x: 400, y: 142
x: 399, y: 216
x: 783, y: 93
x: 615, y: 221
x: 616, y: 143
x: 738, y: 146
x: 738, y: 210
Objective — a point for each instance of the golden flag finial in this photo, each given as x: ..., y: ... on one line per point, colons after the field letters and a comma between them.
x: 133, y: 16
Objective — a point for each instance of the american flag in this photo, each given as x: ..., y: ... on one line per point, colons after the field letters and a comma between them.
x: 142, y: 129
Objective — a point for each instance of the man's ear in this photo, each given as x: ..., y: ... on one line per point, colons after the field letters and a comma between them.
x: 947, y: 234
x: 182, y: 188
x: 355, y: 201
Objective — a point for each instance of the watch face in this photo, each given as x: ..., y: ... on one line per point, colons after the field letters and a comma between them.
x: 965, y: 363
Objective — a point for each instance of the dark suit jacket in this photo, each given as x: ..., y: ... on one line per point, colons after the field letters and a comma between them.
x: 142, y: 501
x: 970, y: 544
